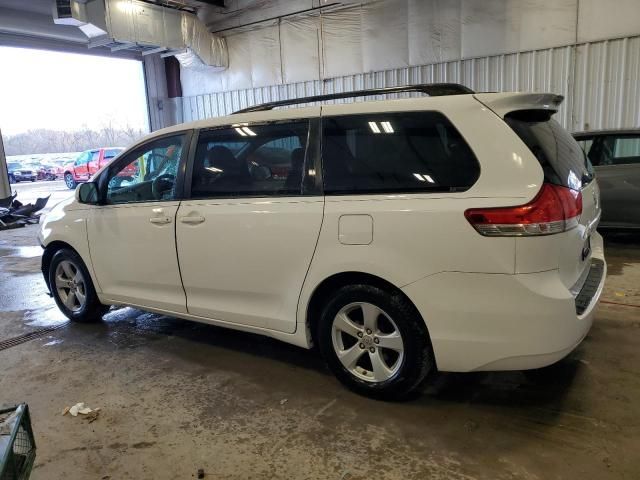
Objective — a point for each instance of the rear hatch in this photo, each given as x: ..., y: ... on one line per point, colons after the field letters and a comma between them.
x: 566, y: 169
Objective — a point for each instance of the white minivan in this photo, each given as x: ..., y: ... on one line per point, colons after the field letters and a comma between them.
x: 452, y: 232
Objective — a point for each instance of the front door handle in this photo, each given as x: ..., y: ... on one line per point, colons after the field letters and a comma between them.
x: 192, y: 219
x: 160, y: 220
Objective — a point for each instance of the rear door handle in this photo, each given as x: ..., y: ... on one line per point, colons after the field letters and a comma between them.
x: 160, y: 220
x: 192, y: 219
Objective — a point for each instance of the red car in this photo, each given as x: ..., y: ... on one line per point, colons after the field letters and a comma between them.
x: 88, y: 163
x: 50, y: 171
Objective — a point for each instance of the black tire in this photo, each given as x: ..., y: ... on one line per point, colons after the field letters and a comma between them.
x: 418, y: 361
x: 33, y: 179
x: 68, y: 179
x: 92, y: 310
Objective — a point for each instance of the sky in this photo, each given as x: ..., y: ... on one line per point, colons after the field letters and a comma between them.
x: 43, y: 89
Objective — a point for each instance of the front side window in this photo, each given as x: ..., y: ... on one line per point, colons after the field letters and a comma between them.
x: 82, y: 159
x: 250, y: 160
x: 395, y: 153
x: 95, y: 156
x: 147, y: 174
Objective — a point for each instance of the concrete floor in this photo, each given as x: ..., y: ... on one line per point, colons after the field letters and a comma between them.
x: 178, y: 396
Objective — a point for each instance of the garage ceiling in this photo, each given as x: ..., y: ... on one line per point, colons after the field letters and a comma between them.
x: 30, y: 23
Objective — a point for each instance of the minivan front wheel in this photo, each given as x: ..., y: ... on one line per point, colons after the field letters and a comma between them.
x: 375, y: 342
x: 72, y: 288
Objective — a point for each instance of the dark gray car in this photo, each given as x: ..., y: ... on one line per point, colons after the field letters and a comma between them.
x: 615, y: 155
x: 20, y: 173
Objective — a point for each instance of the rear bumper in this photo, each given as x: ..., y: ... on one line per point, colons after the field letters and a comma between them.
x: 507, y: 322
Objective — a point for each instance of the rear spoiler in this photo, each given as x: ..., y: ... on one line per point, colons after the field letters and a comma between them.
x: 504, y: 103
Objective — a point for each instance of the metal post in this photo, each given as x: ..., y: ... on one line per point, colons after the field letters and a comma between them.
x: 5, y: 188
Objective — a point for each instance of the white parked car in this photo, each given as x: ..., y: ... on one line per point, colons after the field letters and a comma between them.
x: 454, y: 232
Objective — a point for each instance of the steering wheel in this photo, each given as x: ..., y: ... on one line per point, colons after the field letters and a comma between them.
x: 161, y: 184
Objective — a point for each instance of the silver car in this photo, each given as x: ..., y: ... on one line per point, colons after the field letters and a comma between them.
x: 615, y: 155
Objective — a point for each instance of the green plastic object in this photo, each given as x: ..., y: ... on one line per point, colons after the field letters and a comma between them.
x: 17, y: 445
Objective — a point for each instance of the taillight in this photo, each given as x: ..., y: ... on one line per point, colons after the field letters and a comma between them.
x: 555, y: 209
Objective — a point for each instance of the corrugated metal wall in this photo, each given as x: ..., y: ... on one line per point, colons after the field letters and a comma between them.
x: 599, y: 81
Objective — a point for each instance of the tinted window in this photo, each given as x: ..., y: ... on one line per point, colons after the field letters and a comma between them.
x: 253, y: 160
x: 626, y: 150
x: 562, y: 159
x: 407, y: 152
x: 146, y: 174
x: 585, y: 145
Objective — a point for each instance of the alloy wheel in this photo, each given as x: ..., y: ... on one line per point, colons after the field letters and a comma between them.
x: 68, y: 178
x: 70, y: 285
x: 367, y: 342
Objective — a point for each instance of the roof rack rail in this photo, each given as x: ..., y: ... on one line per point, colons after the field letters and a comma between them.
x: 431, y: 89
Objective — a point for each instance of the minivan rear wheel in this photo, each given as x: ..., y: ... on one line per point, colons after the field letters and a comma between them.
x: 72, y: 288
x: 375, y: 342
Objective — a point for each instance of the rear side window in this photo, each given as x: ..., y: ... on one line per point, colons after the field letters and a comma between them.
x: 561, y: 158
x: 613, y: 150
x: 626, y: 150
x: 111, y: 153
x: 395, y: 153
x: 250, y: 160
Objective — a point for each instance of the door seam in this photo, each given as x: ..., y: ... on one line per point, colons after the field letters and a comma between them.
x: 175, y: 244
x: 304, y: 280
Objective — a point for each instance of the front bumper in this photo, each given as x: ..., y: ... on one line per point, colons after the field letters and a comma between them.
x: 506, y: 322
x: 25, y: 178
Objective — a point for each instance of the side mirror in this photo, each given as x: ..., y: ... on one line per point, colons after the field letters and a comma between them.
x: 87, y: 193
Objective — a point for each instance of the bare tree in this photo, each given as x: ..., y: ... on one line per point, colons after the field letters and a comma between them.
x: 59, y: 141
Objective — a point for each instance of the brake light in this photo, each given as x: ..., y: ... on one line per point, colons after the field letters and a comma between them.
x: 555, y: 209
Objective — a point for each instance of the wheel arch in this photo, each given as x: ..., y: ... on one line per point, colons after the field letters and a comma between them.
x: 338, y: 280
x: 47, y: 255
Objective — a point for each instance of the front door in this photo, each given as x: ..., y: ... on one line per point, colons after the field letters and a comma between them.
x: 94, y: 162
x: 247, y: 235
x: 132, y: 235
x: 81, y: 166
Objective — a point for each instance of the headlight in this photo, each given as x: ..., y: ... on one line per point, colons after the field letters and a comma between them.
x: 17, y: 172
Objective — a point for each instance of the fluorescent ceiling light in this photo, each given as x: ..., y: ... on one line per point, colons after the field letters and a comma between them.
x: 248, y: 131
x: 424, y: 177
x: 374, y: 127
x: 386, y: 126
x: 239, y: 130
